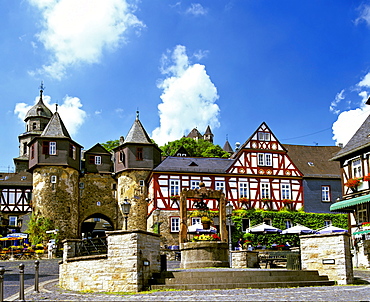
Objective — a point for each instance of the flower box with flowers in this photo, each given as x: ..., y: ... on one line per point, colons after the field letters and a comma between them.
x: 204, y: 237
x: 353, y: 183
x: 365, y: 226
x: 175, y: 197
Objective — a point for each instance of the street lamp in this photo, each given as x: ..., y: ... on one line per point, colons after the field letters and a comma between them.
x: 125, y: 207
x: 229, y: 212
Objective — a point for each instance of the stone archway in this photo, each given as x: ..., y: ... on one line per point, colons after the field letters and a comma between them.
x: 95, y: 225
x: 202, y: 193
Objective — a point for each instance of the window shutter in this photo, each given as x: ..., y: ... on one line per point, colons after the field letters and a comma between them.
x: 45, y: 147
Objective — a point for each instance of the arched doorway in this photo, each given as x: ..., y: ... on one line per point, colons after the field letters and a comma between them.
x: 95, y: 226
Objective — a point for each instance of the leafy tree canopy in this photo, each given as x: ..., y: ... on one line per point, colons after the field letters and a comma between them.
x: 200, y: 148
x: 110, y: 145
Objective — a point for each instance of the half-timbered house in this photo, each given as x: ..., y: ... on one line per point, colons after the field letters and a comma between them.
x: 354, y: 161
x: 260, y: 174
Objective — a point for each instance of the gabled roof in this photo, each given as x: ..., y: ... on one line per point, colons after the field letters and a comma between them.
x: 137, y: 133
x: 181, y: 152
x: 55, y: 128
x: 359, y: 140
x: 98, y: 149
x: 313, y: 161
x: 39, y: 110
x: 194, y: 164
x: 16, y: 179
x: 208, y: 131
x: 194, y: 134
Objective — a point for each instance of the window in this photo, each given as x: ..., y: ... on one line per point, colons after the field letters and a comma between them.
x: 327, y: 223
x: 96, y: 219
x: 194, y: 184
x: 245, y: 224
x: 220, y: 186
x: 362, y: 213
x: 72, y: 151
x: 24, y: 148
x: 265, y: 190
x: 196, y: 220
x: 325, y: 193
x: 53, y: 179
x: 243, y: 190
x: 288, y: 224
x: 264, y: 136
x: 139, y: 153
x: 356, y: 168
x: 98, y: 160
x: 13, y: 220
x: 33, y: 151
x: 49, y: 148
x: 175, y: 224
x: 52, y: 148
x: 264, y: 159
x: 174, y: 187
x: 122, y: 157
x: 267, y: 221
x: 285, y: 191
x: 34, y: 126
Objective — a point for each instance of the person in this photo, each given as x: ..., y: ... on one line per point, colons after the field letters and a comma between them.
x: 50, y: 249
x: 259, y: 246
x: 239, y: 244
x: 274, y: 246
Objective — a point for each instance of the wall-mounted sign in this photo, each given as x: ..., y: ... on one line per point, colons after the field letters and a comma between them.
x: 328, y: 261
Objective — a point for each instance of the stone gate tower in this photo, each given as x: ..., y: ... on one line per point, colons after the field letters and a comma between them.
x: 54, y: 161
x: 134, y: 160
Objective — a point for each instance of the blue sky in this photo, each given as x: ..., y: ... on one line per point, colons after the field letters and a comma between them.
x: 300, y: 66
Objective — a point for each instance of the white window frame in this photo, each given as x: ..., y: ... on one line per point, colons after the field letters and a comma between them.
x: 265, y: 190
x: 53, y: 179
x: 243, y: 190
x: 285, y: 191
x: 220, y: 185
x: 288, y: 223
x: 175, y: 224
x: 264, y: 136
x: 196, y: 220
x: 267, y: 221
x: 52, y: 148
x: 265, y: 159
x: 13, y: 219
x: 362, y: 213
x: 357, y: 167
x: 327, y: 223
x: 325, y: 193
x: 174, y: 187
x: 194, y: 184
x: 97, y: 160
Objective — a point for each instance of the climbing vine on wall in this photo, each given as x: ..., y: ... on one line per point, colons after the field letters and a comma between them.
x: 37, y: 228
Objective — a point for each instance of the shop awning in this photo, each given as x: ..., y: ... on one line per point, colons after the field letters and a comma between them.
x: 345, y: 205
x: 361, y: 232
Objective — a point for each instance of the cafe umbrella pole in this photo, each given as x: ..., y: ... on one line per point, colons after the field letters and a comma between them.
x: 229, y: 212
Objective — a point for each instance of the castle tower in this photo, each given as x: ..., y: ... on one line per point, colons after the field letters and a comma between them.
x: 134, y: 160
x: 208, y: 135
x: 36, y: 120
x: 54, y: 161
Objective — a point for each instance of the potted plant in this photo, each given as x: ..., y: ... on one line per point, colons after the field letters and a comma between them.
x: 267, y: 202
x: 204, y: 237
x: 206, y: 222
x: 245, y: 202
x: 288, y: 204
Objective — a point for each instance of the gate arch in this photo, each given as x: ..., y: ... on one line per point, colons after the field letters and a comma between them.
x: 95, y: 225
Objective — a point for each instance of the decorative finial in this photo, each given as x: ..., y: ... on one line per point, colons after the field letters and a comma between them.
x: 56, y: 106
x: 137, y: 114
x: 41, y: 89
x: 227, y: 137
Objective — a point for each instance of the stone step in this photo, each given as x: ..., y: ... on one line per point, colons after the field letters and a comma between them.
x: 242, y: 285
x: 234, y: 278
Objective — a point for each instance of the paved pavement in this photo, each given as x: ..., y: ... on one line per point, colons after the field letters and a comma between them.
x: 50, y: 291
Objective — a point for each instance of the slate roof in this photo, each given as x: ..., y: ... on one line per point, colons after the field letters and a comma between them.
x: 360, y: 140
x: 137, y: 134
x: 55, y: 128
x: 314, y: 161
x: 208, y: 131
x: 16, y: 179
x: 194, y: 134
x: 227, y: 147
x: 194, y: 164
x: 35, y: 112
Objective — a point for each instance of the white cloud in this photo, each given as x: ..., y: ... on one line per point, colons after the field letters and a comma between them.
x: 70, y: 111
x: 76, y: 32
x: 364, y: 14
x: 349, y: 121
x: 196, y: 9
x: 339, y: 97
x: 188, y: 98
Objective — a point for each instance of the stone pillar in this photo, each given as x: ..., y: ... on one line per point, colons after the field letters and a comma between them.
x: 244, y: 259
x: 329, y: 254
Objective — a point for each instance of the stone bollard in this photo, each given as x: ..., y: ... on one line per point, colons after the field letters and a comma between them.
x: 37, y: 263
x: 21, y: 282
x: 2, y: 271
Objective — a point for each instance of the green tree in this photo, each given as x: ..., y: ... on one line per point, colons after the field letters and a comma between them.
x: 200, y: 148
x: 37, y: 228
x: 110, y: 145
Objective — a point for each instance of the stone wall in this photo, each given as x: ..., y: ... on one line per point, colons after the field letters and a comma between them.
x: 57, y: 201
x: 133, y: 256
x: 244, y: 259
x: 97, y: 196
x: 329, y: 254
x: 129, y: 187
x: 168, y: 238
